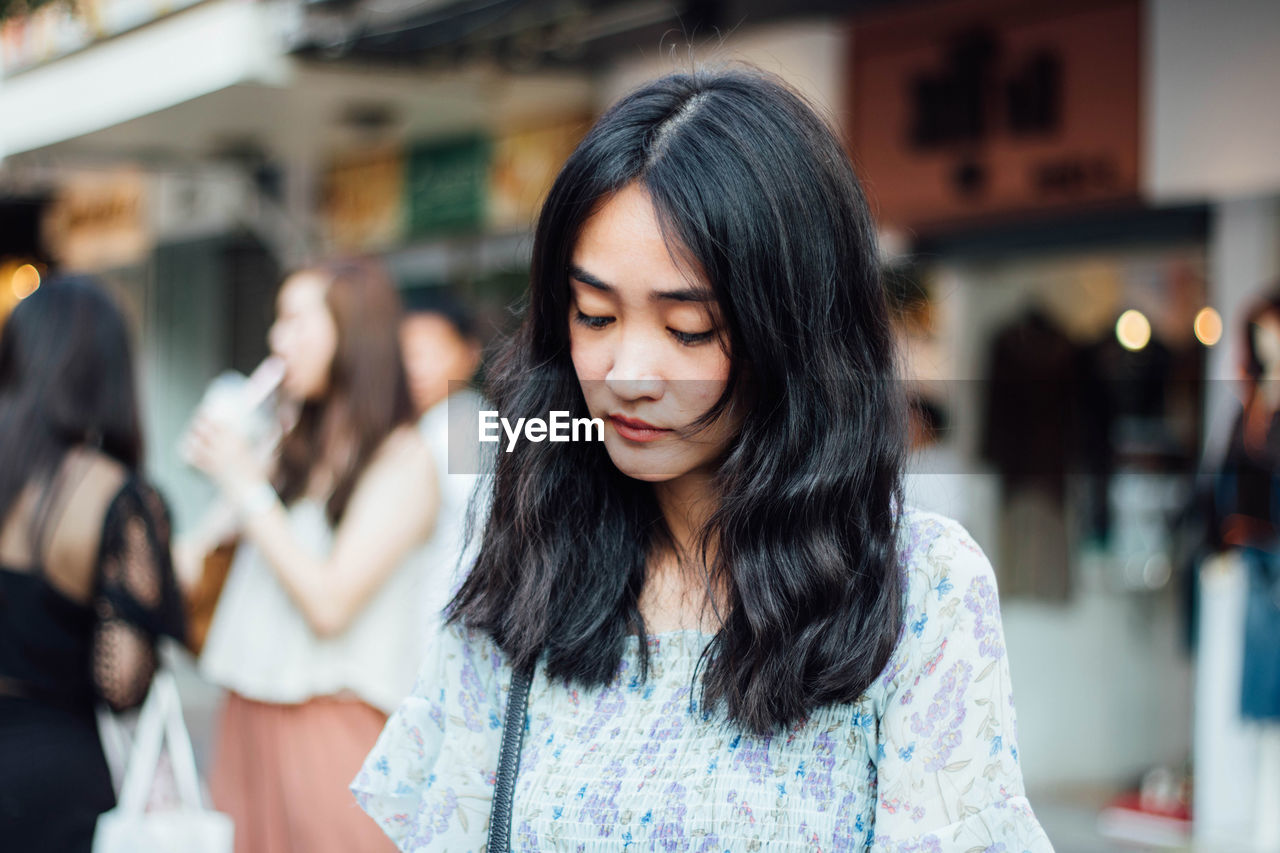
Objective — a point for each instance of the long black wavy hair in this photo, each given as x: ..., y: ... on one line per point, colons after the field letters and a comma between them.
x: 750, y: 182
x: 66, y: 380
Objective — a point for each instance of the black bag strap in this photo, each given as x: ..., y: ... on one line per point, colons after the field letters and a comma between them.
x: 509, y: 761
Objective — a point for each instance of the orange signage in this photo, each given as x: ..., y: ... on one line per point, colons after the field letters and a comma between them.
x: 983, y: 108
x: 525, y: 163
x: 363, y: 201
x: 98, y: 221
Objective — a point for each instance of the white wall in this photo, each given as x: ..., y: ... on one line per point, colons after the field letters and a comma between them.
x: 1212, y: 98
x: 1102, y: 689
x: 184, y: 56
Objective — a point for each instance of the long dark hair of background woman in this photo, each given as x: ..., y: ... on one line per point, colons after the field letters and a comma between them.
x: 66, y: 378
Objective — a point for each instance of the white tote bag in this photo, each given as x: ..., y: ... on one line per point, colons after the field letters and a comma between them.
x: 190, y: 828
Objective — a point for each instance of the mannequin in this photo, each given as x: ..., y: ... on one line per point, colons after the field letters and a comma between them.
x: 1238, y: 694
x: 1248, y: 514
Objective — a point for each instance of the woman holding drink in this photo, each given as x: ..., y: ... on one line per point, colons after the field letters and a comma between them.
x: 315, y: 633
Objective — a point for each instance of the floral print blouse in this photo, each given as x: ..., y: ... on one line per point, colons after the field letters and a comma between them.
x: 926, y: 761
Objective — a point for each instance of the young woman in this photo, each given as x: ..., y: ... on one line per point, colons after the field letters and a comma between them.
x: 744, y: 640
x: 316, y: 633
x: 86, y: 583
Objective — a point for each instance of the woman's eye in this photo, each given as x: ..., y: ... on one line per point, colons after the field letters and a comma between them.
x: 591, y: 322
x: 690, y: 339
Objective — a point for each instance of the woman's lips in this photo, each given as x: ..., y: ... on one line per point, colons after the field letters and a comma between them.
x: 636, y: 430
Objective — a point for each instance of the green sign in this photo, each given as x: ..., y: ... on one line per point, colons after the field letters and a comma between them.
x: 448, y: 184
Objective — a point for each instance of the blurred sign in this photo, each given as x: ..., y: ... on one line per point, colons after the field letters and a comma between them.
x: 987, y: 107
x: 57, y: 29
x: 199, y: 203
x: 448, y: 185
x: 364, y: 201
x: 525, y: 163
x: 99, y: 221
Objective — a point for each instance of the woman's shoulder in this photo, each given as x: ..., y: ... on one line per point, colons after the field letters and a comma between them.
x: 138, y: 498
x: 466, y: 667
x: 403, y: 456
x: 428, y: 780
x: 401, y: 445
x: 950, y: 601
x: 99, y: 479
x: 938, y: 553
x: 111, y: 492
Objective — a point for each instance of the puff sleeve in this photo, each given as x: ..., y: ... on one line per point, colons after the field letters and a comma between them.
x: 946, y: 754
x: 428, y: 782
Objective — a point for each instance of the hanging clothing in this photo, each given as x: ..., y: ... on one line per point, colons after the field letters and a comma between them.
x: 1125, y: 395
x: 1260, y: 672
x: 1247, y: 498
x: 1029, y: 434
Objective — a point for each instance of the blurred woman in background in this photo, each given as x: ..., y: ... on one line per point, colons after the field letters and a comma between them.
x: 442, y: 353
x: 316, y: 632
x: 86, y: 582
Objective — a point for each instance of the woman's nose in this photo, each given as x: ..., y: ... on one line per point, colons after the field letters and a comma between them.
x: 275, y: 339
x: 636, y: 371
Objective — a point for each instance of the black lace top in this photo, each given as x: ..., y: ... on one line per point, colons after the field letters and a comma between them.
x: 62, y: 651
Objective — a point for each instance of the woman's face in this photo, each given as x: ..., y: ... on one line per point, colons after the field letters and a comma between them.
x: 1266, y: 343
x: 304, y: 336
x: 646, y: 339
x: 434, y: 353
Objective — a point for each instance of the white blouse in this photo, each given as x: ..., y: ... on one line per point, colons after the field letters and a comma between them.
x: 926, y: 761
x: 261, y: 646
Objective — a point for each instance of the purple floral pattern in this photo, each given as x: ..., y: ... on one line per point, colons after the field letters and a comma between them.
x: 982, y: 603
x: 924, y: 762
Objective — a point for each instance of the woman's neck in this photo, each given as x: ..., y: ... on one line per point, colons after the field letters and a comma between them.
x: 686, y: 503
x: 675, y: 594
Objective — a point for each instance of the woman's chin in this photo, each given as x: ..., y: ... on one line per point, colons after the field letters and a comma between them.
x: 650, y: 465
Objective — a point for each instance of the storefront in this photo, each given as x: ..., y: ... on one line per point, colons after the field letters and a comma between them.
x: 190, y: 192
x: 1073, y: 247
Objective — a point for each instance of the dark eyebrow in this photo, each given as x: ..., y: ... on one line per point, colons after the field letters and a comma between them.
x: 685, y: 295
x: 588, y: 279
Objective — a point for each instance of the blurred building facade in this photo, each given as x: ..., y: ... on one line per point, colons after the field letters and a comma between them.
x: 1032, y: 166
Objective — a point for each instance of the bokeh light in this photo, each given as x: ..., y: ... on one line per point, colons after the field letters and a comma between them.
x: 25, y: 281
x: 1208, y: 326
x: 1133, y: 330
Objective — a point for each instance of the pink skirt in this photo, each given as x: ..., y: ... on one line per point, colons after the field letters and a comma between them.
x: 282, y: 773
